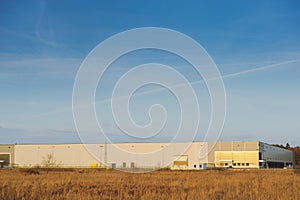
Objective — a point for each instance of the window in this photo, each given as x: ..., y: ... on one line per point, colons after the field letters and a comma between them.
x: 243, y: 164
x: 124, y: 164
x: 132, y: 164
x: 226, y: 164
x: 195, y: 166
x: 234, y: 164
x: 239, y: 164
x: 247, y: 164
x: 200, y: 166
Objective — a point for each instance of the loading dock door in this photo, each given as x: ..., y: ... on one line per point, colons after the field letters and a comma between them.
x: 181, y: 161
x: 5, y: 159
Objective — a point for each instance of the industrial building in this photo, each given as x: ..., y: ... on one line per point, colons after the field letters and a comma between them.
x: 197, y: 155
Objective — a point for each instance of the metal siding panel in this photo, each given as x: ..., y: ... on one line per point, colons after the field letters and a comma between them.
x: 252, y: 146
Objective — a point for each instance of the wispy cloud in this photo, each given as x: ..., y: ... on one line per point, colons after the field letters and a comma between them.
x: 36, y: 37
x: 18, y: 33
x: 42, y: 66
x: 25, y: 135
x: 38, y: 25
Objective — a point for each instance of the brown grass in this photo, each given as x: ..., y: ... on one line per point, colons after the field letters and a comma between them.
x: 108, y: 184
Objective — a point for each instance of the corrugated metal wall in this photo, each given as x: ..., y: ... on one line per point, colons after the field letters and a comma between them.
x: 275, y: 154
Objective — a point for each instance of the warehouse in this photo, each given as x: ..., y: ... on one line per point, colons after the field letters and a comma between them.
x: 180, y: 155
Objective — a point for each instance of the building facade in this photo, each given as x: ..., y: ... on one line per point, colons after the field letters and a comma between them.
x: 181, y: 155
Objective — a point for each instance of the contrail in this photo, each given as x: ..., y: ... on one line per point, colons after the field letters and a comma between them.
x: 259, y: 68
x: 226, y: 76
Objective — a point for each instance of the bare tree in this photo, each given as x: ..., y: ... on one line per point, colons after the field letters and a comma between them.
x: 50, y: 161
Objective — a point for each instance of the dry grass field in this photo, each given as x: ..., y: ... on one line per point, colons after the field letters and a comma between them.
x: 109, y: 184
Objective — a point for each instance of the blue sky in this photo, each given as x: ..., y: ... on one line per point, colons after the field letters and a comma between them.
x: 256, y: 46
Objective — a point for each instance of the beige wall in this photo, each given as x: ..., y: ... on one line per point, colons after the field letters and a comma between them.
x: 141, y: 154
x: 67, y: 155
x: 155, y: 154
